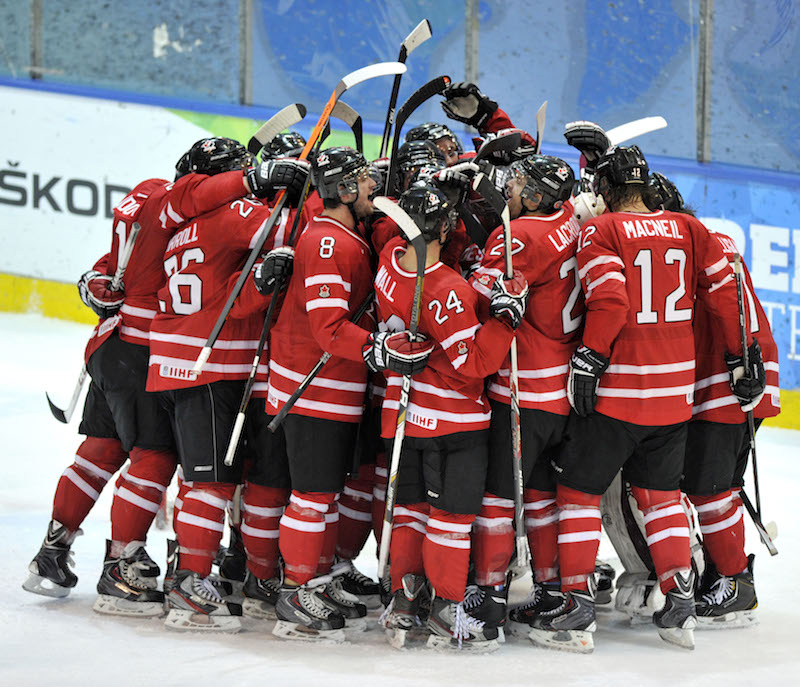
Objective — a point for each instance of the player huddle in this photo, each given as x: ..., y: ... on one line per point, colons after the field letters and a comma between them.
x: 508, y: 354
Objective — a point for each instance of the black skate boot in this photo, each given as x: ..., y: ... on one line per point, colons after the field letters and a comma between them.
x: 571, y: 626
x: 50, y: 569
x: 123, y: 589
x: 345, y: 603
x: 677, y: 620
x: 172, y: 566
x: 260, y: 596
x: 303, y: 615
x: 451, y: 627
x: 232, y: 561
x: 401, y: 617
x: 488, y: 604
x: 355, y: 582
x: 195, y: 604
x: 730, y: 602
x: 543, y: 597
x: 386, y: 588
x: 604, y: 575
x: 136, y: 555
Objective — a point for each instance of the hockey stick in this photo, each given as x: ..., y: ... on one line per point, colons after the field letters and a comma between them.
x: 483, y: 185
x: 414, y: 236
x: 638, y: 127
x: 433, y: 87
x: 285, y: 119
x: 540, y: 119
x: 751, y: 429
x: 309, y: 378
x: 350, y: 117
x: 356, y: 77
x: 65, y: 415
x: 767, y: 533
x: 421, y: 33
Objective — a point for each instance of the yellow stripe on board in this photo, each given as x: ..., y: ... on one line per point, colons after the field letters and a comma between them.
x: 56, y: 299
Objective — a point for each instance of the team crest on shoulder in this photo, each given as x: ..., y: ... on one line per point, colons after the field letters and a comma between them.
x: 324, y: 291
x: 484, y: 279
x: 462, y: 348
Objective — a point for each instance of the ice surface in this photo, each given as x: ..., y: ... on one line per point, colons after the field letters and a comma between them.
x: 63, y: 642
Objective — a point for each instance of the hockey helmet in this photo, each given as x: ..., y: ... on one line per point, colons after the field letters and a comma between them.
x: 664, y: 194
x: 282, y: 145
x: 548, y: 176
x: 430, y: 208
x: 217, y: 154
x: 431, y: 131
x: 336, y: 172
x: 413, y: 156
x: 620, y: 166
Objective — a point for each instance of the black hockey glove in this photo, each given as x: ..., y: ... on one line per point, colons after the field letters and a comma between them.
x: 509, y: 299
x: 272, y: 176
x: 747, y: 385
x: 95, y: 291
x: 396, y: 351
x: 585, y: 368
x: 589, y: 139
x: 276, y: 267
x: 464, y: 102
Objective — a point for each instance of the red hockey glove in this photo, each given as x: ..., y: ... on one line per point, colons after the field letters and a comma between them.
x: 509, y: 299
x: 396, y: 351
x: 276, y: 266
x: 747, y: 385
x: 94, y: 289
x: 585, y: 368
x: 464, y: 102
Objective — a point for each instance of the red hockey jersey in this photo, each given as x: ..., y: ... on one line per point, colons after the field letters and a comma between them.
x: 543, y: 249
x: 640, y: 274
x: 713, y: 400
x: 159, y: 207
x: 199, y: 263
x: 332, y: 276
x: 448, y: 396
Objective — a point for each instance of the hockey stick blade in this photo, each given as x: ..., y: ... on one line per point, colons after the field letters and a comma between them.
x: 486, y: 188
x: 395, y: 213
x: 421, y: 33
x: 763, y: 533
x: 540, y: 120
x: 638, y: 127
x: 284, y: 119
x: 498, y: 144
x: 341, y: 110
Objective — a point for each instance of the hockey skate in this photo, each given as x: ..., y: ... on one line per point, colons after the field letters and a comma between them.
x: 345, y: 603
x: 355, y: 582
x: 488, y: 604
x: 303, y: 615
x: 260, y: 597
x: 639, y: 596
x: 543, y: 597
x: 195, y: 604
x: 731, y: 602
x: 50, y: 573
x: 401, y: 619
x: 604, y: 575
x: 570, y: 627
x: 451, y: 627
x: 125, y: 587
x: 676, y: 621
x: 172, y: 566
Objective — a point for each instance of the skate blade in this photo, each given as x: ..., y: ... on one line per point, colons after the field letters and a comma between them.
x: 111, y: 605
x: 575, y: 641
x: 253, y: 608
x: 288, y: 630
x: 730, y: 621
x: 355, y: 624
x: 514, y: 629
x: 684, y: 638
x: 441, y: 643
x: 639, y: 619
x: 44, y: 587
x: 186, y: 621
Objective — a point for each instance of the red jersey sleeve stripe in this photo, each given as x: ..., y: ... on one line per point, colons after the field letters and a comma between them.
x: 717, y: 266
x: 616, y: 276
x: 600, y: 260
x: 328, y: 279
x: 318, y: 303
x: 469, y: 332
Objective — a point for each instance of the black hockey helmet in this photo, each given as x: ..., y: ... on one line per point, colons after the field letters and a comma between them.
x: 413, y: 156
x: 664, y: 194
x: 217, y: 154
x: 336, y: 172
x: 430, y: 208
x: 549, y: 176
x: 182, y: 166
x: 621, y: 166
x: 431, y: 131
x: 282, y: 145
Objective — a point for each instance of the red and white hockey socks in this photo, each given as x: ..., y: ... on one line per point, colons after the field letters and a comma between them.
x: 200, y: 524
x: 493, y: 539
x: 667, y: 532
x: 405, y: 551
x: 184, y: 488
x: 722, y: 526
x: 81, y: 483
x: 355, y: 513
x: 262, y: 508
x: 578, y: 536
x: 445, y: 553
x: 379, y: 498
x: 330, y: 538
x: 541, y: 522
x: 302, y: 534
x: 138, y: 495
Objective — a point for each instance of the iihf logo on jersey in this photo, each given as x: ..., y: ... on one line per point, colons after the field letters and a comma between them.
x: 324, y: 291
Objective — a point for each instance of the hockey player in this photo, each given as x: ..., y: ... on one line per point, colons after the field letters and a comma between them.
x: 121, y: 420
x: 631, y: 383
x: 445, y: 449
x: 544, y: 234
x: 331, y: 276
x: 199, y: 262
